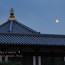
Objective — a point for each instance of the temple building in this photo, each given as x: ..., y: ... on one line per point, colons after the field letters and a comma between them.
x: 19, y: 43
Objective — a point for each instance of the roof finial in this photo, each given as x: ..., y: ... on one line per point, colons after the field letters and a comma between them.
x: 11, y: 14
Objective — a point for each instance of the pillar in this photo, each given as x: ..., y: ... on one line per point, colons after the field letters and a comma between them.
x: 6, y: 58
x: 64, y: 58
x: 34, y: 60
x: 0, y: 58
x: 39, y: 60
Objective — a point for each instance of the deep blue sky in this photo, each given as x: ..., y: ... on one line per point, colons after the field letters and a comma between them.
x: 39, y: 15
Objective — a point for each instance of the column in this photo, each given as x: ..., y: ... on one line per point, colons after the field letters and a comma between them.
x: 39, y: 60
x: 6, y: 58
x: 0, y: 58
x: 64, y: 58
x: 34, y: 60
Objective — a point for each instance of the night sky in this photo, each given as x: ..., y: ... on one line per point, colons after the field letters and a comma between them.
x: 39, y: 15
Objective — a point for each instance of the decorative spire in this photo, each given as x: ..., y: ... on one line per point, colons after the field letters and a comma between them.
x: 12, y: 17
x: 12, y: 12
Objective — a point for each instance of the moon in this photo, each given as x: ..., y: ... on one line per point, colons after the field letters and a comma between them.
x: 57, y: 21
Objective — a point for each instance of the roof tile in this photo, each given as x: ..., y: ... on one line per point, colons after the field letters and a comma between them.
x: 31, y: 39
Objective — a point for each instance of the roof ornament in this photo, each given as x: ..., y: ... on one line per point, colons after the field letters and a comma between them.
x: 12, y: 12
x: 12, y: 17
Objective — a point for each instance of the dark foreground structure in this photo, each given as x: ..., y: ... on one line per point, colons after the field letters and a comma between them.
x: 19, y: 43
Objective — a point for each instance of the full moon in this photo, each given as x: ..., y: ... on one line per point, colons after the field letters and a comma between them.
x: 57, y: 21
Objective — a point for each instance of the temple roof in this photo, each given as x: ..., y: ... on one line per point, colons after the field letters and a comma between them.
x: 13, y: 32
x: 32, y: 39
x: 16, y: 27
x: 13, y: 26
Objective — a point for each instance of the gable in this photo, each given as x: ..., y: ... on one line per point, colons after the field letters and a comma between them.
x: 16, y: 27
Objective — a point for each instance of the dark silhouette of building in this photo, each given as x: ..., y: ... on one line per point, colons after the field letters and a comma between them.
x: 22, y: 44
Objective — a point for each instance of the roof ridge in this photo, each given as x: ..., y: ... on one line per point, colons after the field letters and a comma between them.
x: 41, y: 35
x: 26, y: 27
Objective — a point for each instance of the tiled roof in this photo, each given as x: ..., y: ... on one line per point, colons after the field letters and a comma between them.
x: 13, y: 32
x: 39, y: 39
x: 16, y: 27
